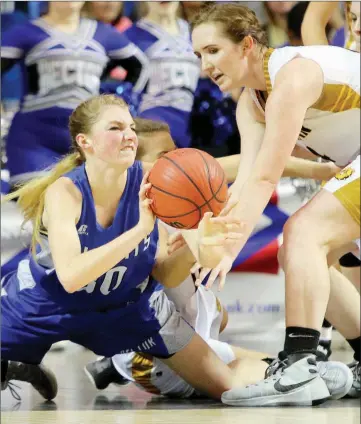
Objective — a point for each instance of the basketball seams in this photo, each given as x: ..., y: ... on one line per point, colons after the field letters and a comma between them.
x: 190, y: 179
x: 179, y: 197
x: 188, y: 200
x: 195, y: 214
x: 214, y: 194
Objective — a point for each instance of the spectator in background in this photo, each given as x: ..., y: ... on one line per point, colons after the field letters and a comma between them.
x: 11, y: 87
x: 174, y: 69
x: 190, y: 8
x: 63, y: 58
x: 276, y: 27
x: 294, y: 23
x: 109, y: 12
x: 318, y: 15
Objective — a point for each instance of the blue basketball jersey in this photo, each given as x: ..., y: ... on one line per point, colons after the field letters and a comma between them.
x: 174, y: 69
x: 38, y: 290
x: 61, y: 69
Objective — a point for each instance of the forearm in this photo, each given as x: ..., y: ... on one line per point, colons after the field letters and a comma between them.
x: 90, y: 265
x: 302, y: 168
x: 254, y: 198
x: 230, y: 166
x: 173, y: 270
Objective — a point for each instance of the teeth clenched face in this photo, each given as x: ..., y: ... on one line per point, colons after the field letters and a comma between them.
x: 113, y: 138
x: 222, y: 60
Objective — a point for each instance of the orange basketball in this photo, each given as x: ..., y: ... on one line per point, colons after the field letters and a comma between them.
x: 186, y: 183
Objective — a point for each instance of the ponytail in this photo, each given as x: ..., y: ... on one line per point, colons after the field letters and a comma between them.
x: 30, y: 195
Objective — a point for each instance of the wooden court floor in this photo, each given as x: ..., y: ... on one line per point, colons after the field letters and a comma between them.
x: 78, y: 402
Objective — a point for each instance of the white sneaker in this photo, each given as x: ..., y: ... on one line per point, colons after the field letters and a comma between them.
x: 337, y: 376
x: 355, y: 390
x: 299, y: 384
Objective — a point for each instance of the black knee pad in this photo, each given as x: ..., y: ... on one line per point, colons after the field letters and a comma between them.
x: 349, y: 261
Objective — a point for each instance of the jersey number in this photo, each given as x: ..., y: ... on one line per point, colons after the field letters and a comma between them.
x: 117, y: 273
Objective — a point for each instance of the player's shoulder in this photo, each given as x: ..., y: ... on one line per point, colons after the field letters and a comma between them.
x: 63, y: 190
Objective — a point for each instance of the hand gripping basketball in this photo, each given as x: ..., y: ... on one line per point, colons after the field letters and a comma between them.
x: 146, y: 215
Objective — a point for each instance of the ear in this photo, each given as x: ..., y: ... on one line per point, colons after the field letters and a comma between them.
x: 83, y: 142
x: 247, y: 45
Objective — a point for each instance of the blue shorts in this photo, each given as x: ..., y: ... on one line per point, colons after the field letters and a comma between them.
x: 36, y: 140
x: 151, y: 325
x: 177, y: 120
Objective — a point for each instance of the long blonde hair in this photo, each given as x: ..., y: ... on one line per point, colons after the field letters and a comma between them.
x: 30, y: 196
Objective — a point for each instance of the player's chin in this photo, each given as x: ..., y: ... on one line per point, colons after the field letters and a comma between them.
x: 126, y: 158
x: 226, y: 86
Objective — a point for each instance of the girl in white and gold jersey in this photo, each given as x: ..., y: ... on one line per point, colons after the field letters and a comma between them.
x: 313, y: 31
x: 294, y: 95
x: 203, y: 311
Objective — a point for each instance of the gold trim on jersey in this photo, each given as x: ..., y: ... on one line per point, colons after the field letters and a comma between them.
x: 337, y: 98
x: 334, y: 97
x: 267, y: 55
x: 142, y: 366
x: 349, y: 196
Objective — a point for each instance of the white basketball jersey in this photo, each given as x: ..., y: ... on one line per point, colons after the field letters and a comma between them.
x: 331, y: 127
x: 203, y: 311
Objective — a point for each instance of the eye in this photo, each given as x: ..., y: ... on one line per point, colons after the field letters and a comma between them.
x: 213, y: 50
x: 114, y: 128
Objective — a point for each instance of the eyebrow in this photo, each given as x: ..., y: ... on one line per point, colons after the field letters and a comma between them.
x: 204, y: 48
x: 122, y: 123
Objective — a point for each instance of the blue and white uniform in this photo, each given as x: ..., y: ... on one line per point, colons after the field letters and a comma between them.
x: 59, y: 72
x: 124, y: 310
x: 174, y: 72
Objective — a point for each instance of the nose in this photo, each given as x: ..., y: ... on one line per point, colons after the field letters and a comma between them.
x: 206, y: 65
x: 130, y: 135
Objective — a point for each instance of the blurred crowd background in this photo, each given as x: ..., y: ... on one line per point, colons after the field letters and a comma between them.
x: 210, y: 125
x: 142, y: 52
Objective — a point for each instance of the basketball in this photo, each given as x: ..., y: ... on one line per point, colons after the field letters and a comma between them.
x: 187, y: 183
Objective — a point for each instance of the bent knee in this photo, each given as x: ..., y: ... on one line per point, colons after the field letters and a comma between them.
x: 301, y: 230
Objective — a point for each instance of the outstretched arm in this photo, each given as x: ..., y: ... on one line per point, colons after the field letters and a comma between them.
x: 295, y: 167
x: 297, y: 86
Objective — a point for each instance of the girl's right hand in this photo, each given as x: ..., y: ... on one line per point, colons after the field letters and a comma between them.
x: 146, y: 215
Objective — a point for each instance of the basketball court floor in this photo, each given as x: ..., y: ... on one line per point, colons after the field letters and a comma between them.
x: 78, y: 402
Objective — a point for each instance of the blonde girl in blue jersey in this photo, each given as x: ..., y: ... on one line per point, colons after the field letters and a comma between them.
x: 97, y: 254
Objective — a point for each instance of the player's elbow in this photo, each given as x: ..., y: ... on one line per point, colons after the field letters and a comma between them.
x: 67, y: 281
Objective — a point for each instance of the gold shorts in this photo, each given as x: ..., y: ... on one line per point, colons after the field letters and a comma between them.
x: 345, y: 186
